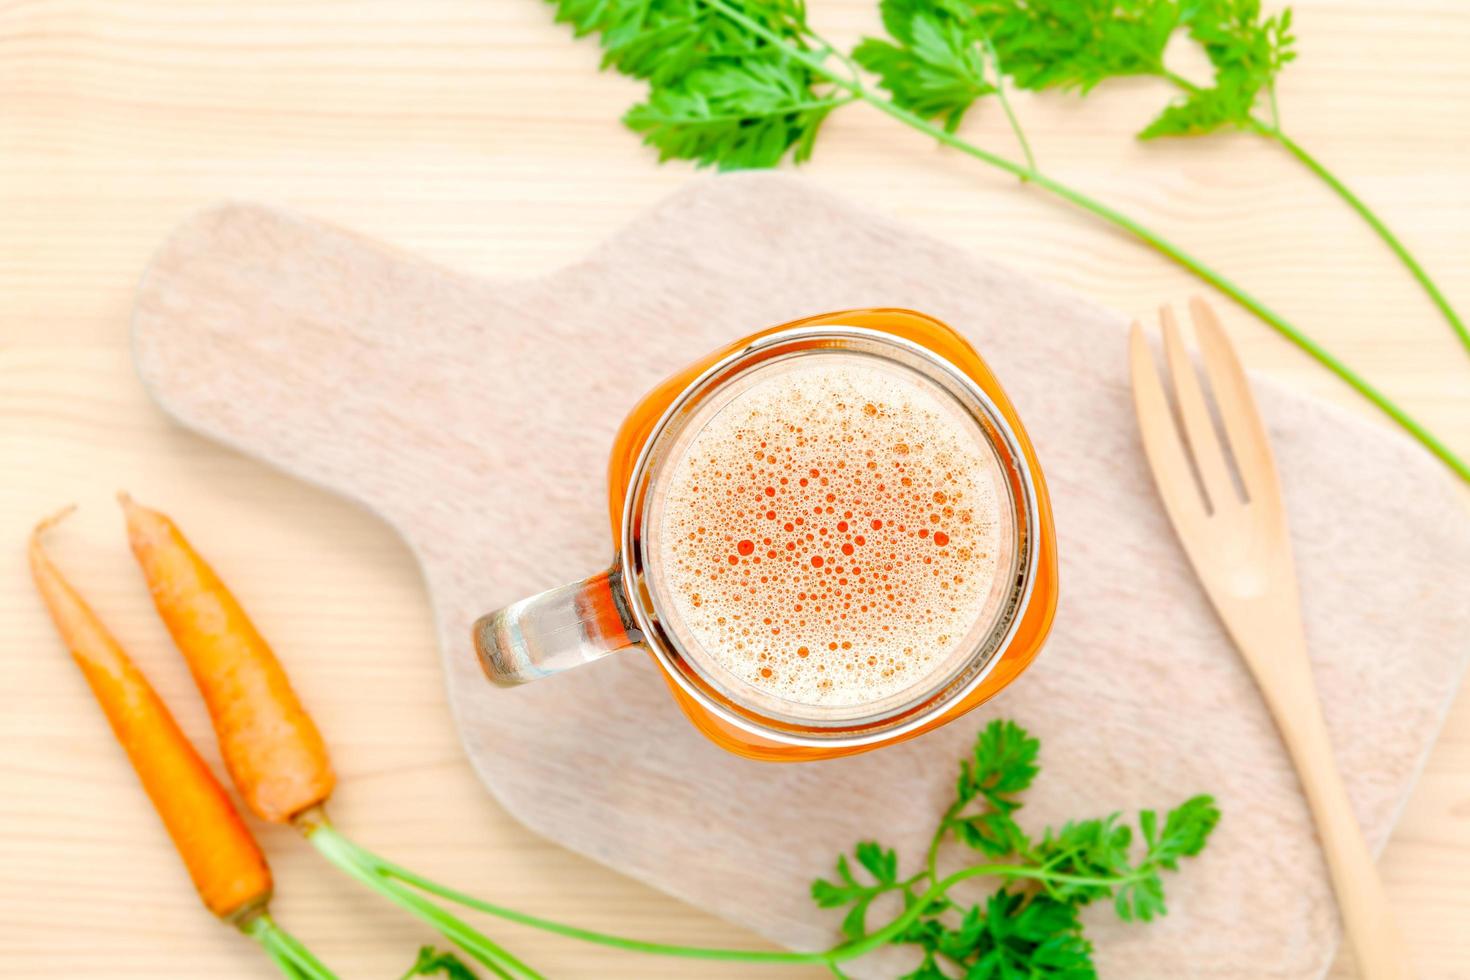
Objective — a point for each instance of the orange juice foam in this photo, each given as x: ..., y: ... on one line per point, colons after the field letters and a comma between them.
x: 830, y: 535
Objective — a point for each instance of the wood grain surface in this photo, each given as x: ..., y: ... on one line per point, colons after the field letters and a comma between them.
x: 477, y: 134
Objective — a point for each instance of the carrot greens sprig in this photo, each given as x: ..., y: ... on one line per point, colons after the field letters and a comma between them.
x: 746, y: 83
x: 1029, y: 926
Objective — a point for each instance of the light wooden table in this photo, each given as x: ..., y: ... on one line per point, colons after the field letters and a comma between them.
x: 477, y: 133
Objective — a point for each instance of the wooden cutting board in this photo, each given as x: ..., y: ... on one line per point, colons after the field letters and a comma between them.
x: 475, y: 417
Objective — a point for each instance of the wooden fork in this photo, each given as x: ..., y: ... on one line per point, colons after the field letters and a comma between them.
x: 1239, y: 547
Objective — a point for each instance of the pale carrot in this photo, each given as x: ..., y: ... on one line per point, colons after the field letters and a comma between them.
x: 227, y: 866
x: 272, y: 748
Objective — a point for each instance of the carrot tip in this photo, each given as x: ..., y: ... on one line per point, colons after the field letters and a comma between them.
x: 46, y: 523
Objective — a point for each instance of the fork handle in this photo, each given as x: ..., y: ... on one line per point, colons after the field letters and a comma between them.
x: 1370, y: 924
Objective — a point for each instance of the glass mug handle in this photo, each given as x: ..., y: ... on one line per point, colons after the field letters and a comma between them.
x: 555, y: 631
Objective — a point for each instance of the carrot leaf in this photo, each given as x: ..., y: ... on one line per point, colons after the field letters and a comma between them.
x: 432, y: 962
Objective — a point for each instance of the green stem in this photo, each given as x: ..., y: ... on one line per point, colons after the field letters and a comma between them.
x: 385, y: 868
x: 281, y: 960
x: 1183, y: 258
x: 931, y: 860
x: 372, y: 864
x: 302, y: 957
x: 1175, y: 79
x: 339, y: 851
x: 1273, y: 132
x: 1005, y: 104
x: 940, y: 888
x: 292, y: 958
x: 1142, y: 233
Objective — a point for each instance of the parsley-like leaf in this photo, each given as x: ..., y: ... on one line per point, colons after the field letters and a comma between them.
x: 1002, y: 764
x: 662, y: 40
x: 1075, y: 44
x: 431, y: 962
x: 719, y: 94
x: 1186, y: 829
x: 881, y: 864
x: 733, y: 115
x: 995, y: 833
x: 1204, y: 110
x: 934, y: 65
x: 1020, y: 936
x: 1247, y: 53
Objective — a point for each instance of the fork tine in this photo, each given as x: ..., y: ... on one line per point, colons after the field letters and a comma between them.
x: 1161, y: 442
x: 1237, y: 405
x: 1209, y: 458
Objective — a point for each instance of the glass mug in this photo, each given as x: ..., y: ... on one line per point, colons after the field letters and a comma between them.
x: 631, y: 605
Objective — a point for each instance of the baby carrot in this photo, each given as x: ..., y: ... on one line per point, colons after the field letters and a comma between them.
x: 270, y: 745
x: 226, y: 864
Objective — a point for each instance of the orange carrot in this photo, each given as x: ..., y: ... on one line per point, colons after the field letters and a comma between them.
x: 271, y: 747
x: 226, y: 864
